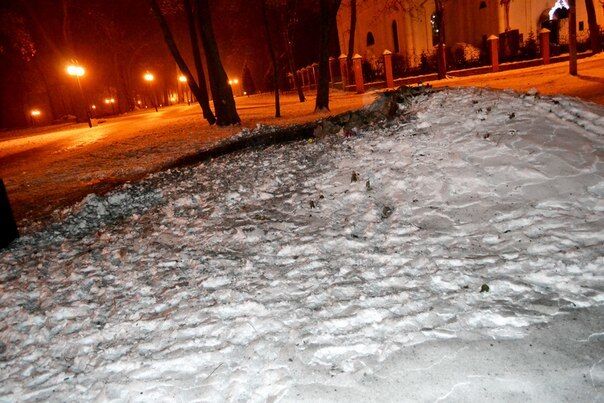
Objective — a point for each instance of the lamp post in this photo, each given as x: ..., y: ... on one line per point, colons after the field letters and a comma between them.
x: 233, y: 83
x: 149, y: 78
x: 111, y: 101
x: 183, y: 83
x: 77, y: 72
x: 35, y: 115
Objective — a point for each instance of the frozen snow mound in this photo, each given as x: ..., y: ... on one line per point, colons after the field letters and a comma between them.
x: 237, y: 278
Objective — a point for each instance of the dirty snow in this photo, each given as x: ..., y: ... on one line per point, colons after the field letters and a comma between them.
x: 271, y: 274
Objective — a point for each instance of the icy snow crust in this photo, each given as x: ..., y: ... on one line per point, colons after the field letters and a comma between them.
x: 215, y: 282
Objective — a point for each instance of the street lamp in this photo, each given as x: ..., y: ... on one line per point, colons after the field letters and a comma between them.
x: 182, y: 80
x: 35, y: 115
x: 111, y: 101
x: 149, y: 79
x: 77, y: 72
x: 234, y: 82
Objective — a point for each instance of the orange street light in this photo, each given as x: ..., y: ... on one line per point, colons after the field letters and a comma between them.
x: 148, y: 77
x: 35, y: 114
x: 182, y: 79
x: 77, y: 72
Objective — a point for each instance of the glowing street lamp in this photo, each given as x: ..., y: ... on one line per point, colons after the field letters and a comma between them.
x: 149, y: 78
x: 77, y: 72
x: 182, y: 80
x: 234, y: 82
x: 110, y: 101
x: 35, y: 115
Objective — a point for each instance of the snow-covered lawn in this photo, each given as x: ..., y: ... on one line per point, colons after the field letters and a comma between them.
x: 315, y: 270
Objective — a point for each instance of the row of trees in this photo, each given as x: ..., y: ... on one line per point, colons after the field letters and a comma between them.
x: 279, y: 17
x: 119, y: 41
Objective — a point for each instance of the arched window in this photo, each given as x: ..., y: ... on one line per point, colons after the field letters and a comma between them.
x: 370, y: 39
x: 395, y: 36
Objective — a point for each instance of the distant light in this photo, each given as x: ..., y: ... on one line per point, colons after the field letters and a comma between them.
x: 149, y: 77
x: 77, y: 71
x: 139, y: 102
x: 233, y: 81
x: 182, y: 79
x: 93, y: 106
x: 35, y: 113
x: 109, y: 100
x: 244, y: 93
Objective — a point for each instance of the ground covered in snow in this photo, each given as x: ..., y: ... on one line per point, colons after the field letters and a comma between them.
x: 345, y: 268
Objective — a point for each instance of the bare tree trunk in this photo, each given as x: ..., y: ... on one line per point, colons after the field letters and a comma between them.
x: 222, y: 93
x: 441, y: 57
x: 328, y: 11
x: 351, y: 34
x: 594, y: 29
x: 182, y: 65
x: 289, y: 51
x: 271, y: 51
x: 572, y: 37
x: 201, y: 77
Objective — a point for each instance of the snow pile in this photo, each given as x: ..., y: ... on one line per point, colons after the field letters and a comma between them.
x: 238, y: 278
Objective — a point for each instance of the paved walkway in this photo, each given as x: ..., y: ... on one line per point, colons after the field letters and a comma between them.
x: 46, y: 168
x: 49, y: 167
x: 551, y: 79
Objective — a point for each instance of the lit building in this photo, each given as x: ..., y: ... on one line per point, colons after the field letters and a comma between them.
x: 406, y: 27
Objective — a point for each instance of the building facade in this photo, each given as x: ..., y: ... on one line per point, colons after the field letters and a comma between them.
x: 407, y: 26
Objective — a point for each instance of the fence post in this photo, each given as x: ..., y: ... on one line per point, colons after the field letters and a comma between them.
x: 343, y: 70
x: 544, y: 44
x: 388, y: 68
x: 332, y: 69
x: 494, y: 49
x: 357, y: 62
x: 8, y: 227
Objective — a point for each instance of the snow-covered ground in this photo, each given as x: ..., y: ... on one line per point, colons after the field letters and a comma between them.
x: 345, y: 268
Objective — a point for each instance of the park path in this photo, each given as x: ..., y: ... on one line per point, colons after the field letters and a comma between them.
x: 51, y: 167
x: 552, y: 79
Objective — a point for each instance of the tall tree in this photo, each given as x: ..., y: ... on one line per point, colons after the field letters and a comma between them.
x: 222, y: 93
x: 328, y: 10
x: 273, y: 55
x: 286, y: 19
x: 182, y: 65
x: 201, y: 77
x: 572, y: 37
x: 594, y: 29
x: 352, y: 32
x: 441, y: 57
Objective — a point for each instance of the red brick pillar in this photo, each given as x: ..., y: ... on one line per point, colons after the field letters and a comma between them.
x: 494, y: 50
x: 388, y: 69
x: 343, y: 70
x: 544, y: 44
x: 332, y: 70
x: 357, y: 64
